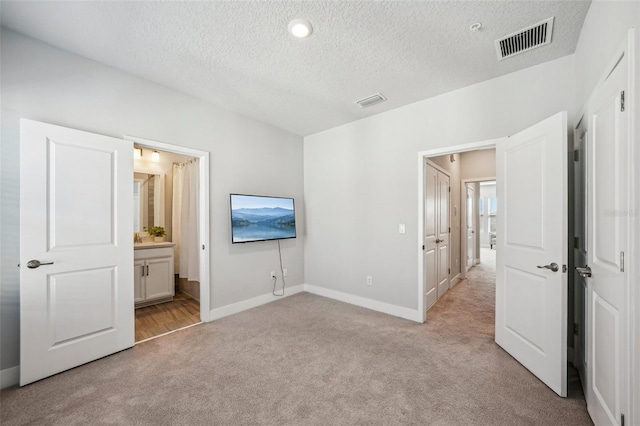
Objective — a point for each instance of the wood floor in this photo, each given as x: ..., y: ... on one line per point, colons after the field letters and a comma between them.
x: 158, y: 319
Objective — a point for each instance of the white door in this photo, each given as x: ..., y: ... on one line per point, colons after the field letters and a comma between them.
x: 531, y: 300
x: 442, y: 210
x: 75, y: 217
x: 607, y: 217
x: 430, y: 237
x: 471, y: 232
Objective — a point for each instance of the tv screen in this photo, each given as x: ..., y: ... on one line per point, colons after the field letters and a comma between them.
x: 258, y: 218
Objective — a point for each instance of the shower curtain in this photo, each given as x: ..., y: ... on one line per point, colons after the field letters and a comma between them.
x: 185, y: 219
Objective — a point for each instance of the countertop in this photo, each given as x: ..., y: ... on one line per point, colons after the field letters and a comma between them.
x: 141, y: 246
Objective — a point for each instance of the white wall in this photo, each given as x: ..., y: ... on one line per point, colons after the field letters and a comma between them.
x: 361, y: 179
x: 43, y: 83
x: 605, y: 28
x: 478, y: 164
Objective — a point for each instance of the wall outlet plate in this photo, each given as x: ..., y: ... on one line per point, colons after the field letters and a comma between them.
x: 273, y: 274
x: 369, y: 280
x: 285, y: 272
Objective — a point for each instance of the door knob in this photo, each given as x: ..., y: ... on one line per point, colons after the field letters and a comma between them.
x: 439, y: 241
x: 585, y: 272
x: 33, y: 264
x: 552, y: 266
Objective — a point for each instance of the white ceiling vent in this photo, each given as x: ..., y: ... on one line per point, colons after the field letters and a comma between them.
x: 526, y: 39
x: 371, y: 100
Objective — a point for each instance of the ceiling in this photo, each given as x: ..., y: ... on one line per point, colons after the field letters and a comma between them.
x: 239, y: 55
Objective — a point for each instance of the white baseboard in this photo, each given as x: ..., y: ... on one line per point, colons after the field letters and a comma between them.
x: 9, y: 377
x: 375, y: 305
x: 234, y: 308
x: 455, y: 280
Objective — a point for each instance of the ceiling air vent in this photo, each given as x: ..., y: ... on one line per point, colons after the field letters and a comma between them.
x: 371, y: 100
x: 526, y: 39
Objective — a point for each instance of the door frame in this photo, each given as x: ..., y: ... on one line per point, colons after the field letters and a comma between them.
x: 203, y: 213
x: 463, y: 214
x: 422, y: 157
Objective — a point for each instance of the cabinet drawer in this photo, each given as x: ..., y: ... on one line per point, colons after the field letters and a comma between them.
x: 153, y: 253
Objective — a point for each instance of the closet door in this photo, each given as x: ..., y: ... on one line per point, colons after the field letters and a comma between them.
x: 443, y: 233
x: 430, y: 236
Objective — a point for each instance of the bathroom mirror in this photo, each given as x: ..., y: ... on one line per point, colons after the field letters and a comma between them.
x: 148, y: 200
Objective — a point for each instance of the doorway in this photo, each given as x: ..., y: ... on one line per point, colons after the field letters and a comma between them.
x: 531, y: 285
x: 166, y: 263
x: 185, y: 172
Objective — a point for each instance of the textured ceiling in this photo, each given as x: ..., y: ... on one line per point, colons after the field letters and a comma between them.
x: 239, y: 55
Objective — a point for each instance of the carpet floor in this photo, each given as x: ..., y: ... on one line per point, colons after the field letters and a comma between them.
x: 308, y: 360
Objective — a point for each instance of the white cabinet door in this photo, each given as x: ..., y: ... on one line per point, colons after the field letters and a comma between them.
x: 75, y: 213
x: 531, y: 302
x: 607, y: 239
x: 159, y: 282
x: 139, y: 273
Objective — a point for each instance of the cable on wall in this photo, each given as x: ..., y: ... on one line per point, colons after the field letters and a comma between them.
x: 275, y: 279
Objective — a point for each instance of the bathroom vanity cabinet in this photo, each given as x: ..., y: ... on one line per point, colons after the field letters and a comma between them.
x: 153, y: 273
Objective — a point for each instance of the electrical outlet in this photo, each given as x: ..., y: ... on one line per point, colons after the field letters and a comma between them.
x: 285, y: 272
x: 369, y: 280
x: 402, y: 229
x: 273, y: 274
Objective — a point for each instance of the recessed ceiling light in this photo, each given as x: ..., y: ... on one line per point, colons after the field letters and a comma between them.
x: 300, y: 28
x: 475, y: 27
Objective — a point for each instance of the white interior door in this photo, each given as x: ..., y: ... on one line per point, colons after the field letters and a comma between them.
x: 607, y: 241
x: 430, y: 236
x: 443, y: 234
x: 76, y: 205
x: 531, y: 302
x: 471, y: 232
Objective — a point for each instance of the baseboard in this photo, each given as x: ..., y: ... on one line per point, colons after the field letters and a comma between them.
x: 455, y: 280
x: 234, y: 308
x: 9, y: 377
x: 375, y: 305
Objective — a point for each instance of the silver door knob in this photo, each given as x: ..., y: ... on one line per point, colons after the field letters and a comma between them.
x: 33, y: 264
x: 552, y: 266
x: 585, y: 272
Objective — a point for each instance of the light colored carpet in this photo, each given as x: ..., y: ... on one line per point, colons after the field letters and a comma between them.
x: 484, y: 271
x: 308, y: 360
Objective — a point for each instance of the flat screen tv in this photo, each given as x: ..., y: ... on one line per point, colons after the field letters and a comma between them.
x: 259, y: 218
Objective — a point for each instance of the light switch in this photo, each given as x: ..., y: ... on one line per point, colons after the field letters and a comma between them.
x: 401, y: 228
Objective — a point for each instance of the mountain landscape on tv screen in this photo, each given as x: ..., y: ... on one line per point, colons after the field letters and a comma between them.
x: 263, y: 223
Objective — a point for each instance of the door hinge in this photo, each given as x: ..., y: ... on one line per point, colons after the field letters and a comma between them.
x: 449, y: 229
x: 449, y: 189
x: 622, y: 101
x: 621, y: 261
x: 576, y: 329
x: 449, y: 271
x: 564, y: 268
x: 576, y: 155
x: 203, y: 247
x: 621, y: 419
x: 423, y: 247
